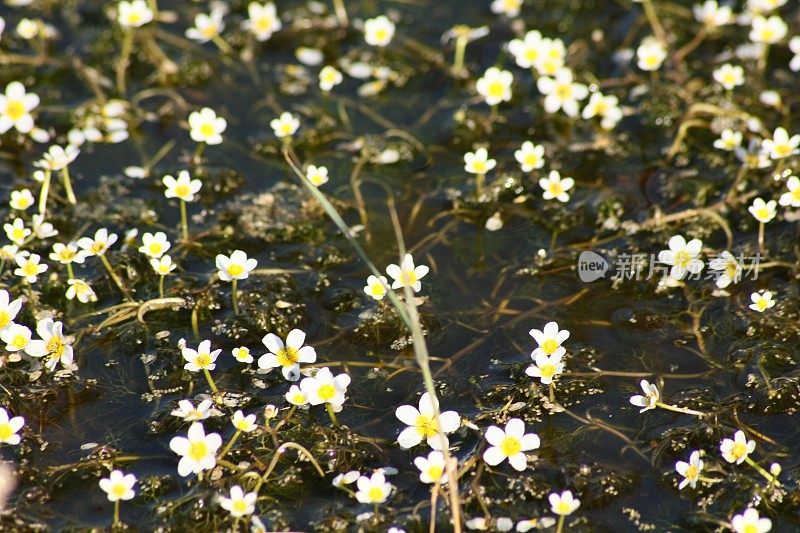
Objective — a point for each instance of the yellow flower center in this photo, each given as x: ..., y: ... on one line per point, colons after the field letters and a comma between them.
x: 155, y: 248
x: 549, y: 346
x: 326, y: 392
x: 55, y: 347
x: 5, y: 319
x: 783, y: 150
x: 207, y: 129
x: 531, y: 55
x: 479, y: 166
x: 796, y: 194
x: 375, y: 494
x: 750, y: 528
x: 30, y: 269
x: 119, y: 490
x: 377, y: 289
x: 426, y: 426
x: 380, y: 35
x: 286, y: 128
x: 202, y: 360
x: 510, y: 446
x: 235, y: 270
x: 299, y: 397
x: 5, y: 431
x: 532, y: 160
x: 263, y: 23
x: 197, y: 450
x: 555, y: 188
x: 496, y: 89
x: 563, y: 507
x: 15, y: 109
x: 18, y: 234
x: 691, y: 472
x: 98, y: 246
x: 739, y: 448
x: 564, y: 91
x: 209, y: 31
x: 19, y: 341
x: 239, y: 506
x: 651, y: 60
x: 682, y: 259
x: 134, y: 18
x: 731, y: 270
x: 287, y: 356
x: 408, y: 277
x: 548, y: 371
x: 435, y: 472
x: 181, y: 190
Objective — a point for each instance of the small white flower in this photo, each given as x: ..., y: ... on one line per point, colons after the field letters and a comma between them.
x: 239, y: 504
x: 41, y: 229
x: 99, y: 244
x: 527, y: 51
x: 189, y: 413
x: 378, y: 31
x: 511, y: 444
x: 245, y: 424
x: 549, y: 340
x: 154, y: 245
x: 750, y: 522
x: 650, y: 398
x: 763, y: 211
x: 768, y: 30
x: 373, y: 489
x: 329, y: 78
x: 730, y: 267
x: 376, y: 287
x: 317, y: 175
x: 163, y: 265
x: 546, y: 367
x: 324, y: 388
x: 21, y: 200
x: 9, y: 428
x: 206, y: 127
x: 118, y: 486
x: 422, y: 424
x: 285, y: 125
x: 237, y: 266
x: 781, y: 145
x: 509, y: 8
x: 556, y: 187
x: 262, y: 20
x: 407, y: 275
x: 495, y: 86
x: 197, y: 450
x: 27, y: 28
x: 134, y: 14
x: 15, y: 108
x: 728, y: 140
x: 296, y: 396
x: 242, y: 354
x: 494, y: 222
x: 67, y: 253
x: 650, y: 54
x: 764, y: 6
x: 562, y: 92
x: 206, y: 27
x: 792, y: 197
x: 762, y: 301
x: 737, y: 449
x: 530, y: 156
x: 605, y: 107
x: 712, y: 15
x: 9, y: 309
x: 551, y: 60
x: 29, y: 266
x: 201, y: 359
x: 16, y: 336
x: 287, y: 356
x: 17, y: 232
x: 51, y: 344
x: 563, y: 504
x: 729, y: 76
x: 432, y: 468
x: 183, y: 188
x: 57, y: 158
x: 81, y: 290
x: 682, y: 256
x: 690, y: 471
x: 478, y: 162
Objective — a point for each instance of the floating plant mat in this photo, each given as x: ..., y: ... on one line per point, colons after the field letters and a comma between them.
x: 246, y: 246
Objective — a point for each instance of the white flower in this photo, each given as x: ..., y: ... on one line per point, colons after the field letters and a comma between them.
x: 21, y: 200
x: 407, y: 275
x: 750, y: 522
x: 329, y: 78
x: 682, y: 256
x: 242, y: 354
x: 791, y: 198
x: 317, y: 175
x: 781, y: 145
x: 184, y: 188
x: 545, y: 522
x: 422, y: 423
x: 729, y: 76
x: 478, y: 162
x: 163, y: 265
x: 510, y: 444
x: 9, y: 427
x: 510, y: 8
x: 245, y: 424
x: 134, y: 14
x: 154, y: 245
x: 295, y: 396
x: 99, y: 244
x: 288, y: 356
x: 764, y: 6
x: 794, y: 46
x: 51, y: 344
x: 551, y: 60
x: 201, y: 359
x: 197, y: 450
x: 118, y: 486
x: 728, y: 140
x: 690, y: 471
x: 711, y: 14
x: 206, y: 27
x: 9, y: 309
x: 432, y: 468
x: 373, y: 489
x: 29, y: 266
x: 762, y: 301
x: 494, y: 222
x: 650, y: 54
x: 56, y: 157
x: 527, y: 51
x: 737, y: 449
x: 17, y: 232
x: 562, y: 92
x: 556, y: 187
x: 605, y: 107
x: 16, y: 336
x: 239, y: 504
x: 563, y: 504
x: 376, y: 287
x: 67, y: 253
x: 27, y: 28
x: 378, y: 31
x: 81, y: 290
x: 763, y: 211
x: 649, y: 400
x: 237, y: 266
x: 730, y: 267
x: 263, y: 20
x: 189, y: 413
x: 15, y: 108
x: 768, y: 30
x: 495, y: 86
x: 549, y: 340
x: 530, y: 156
x: 206, y: 127
x: 41, y: 229
x: 545, y: 367
x: 285, y: 125
x: 323, y: 387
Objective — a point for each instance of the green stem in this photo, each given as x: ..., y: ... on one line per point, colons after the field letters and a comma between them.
x: 480, y: 179
x: 234, y: 296
x: 228, y: 446
x: 116, y: 513
x: 331, y: 414
x: 161, y: 286
x: 124, y: 59
x: 184, y: 222
x: 68, y: 185
x: 769, y: 477
x: 560, y: 526
x: 70, y: 272
x: 221, y: 44
x: 761, y: 228
x: 655, y: 24
x: 461, y: 48
x: 44, y: 193
x: 114, y: 277
x: 676, y: 409
x: 210, y: 380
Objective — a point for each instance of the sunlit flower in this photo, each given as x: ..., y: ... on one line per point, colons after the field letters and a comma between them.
x: 21, y: 200
x: 682, y: 256
x: 763, y: 211
x: 556, y: 187
x: 605, y: 107
x: 509, y: 8
x: 197, y: 450
x: 206, y: 27
x: 737, y: 449
x: 711, y: 14
x: 163, y: 265
x: 373, y: 489
x: 81, y: 290
x: 792, y: 197
x: 16, y: 336
x: 407, y: 275
x: 781, y: 145
x: 206, y: 127
x: 9, y: 427
x: 243, y: 423
x: 530, y: 156
x: 262, y: 20
x: 287, y: 356
x: 551, y: 60
x: 29, y: 266
x: 563, y: 504
x: 296, y: 396
x: 729, y: 76
x: 495, y: 86
x: 189, y: 413
x: 545, y: 367
x: 750, y: 522
x: 15, y: 108
x: 378, y: 31
x: 730, y: 267
x: 649, y: 400
x: 762, y: 301
x: 690, y: 471
x: 239, y: 504
x: 56, y: 157
x: 478, y: 162
x: 527, y: 51
x: 376, y: 287
x: 118, y: 486
x: 134, y: 13
x: 51, y: 344
x: 511, y: 444
x: 17, y: 232
x: 154, y: 245
x: 41, y: 229
x: 329, y: 78
x: 549, y: 340
x: 324, y: 388
x: 27, y: 28
x: 237, y: 266
x: 184, y: 188
x: 285, y: 125
x: 650, y: 54
x: 317, y: 175
x: 728, y: 140
x: 9, y: 309
x: 201, y: 359
x: 242, y: 354
x: 562, y: 92
x: 432, y: 468
x: 768, y: 30
x: 422, y: 424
